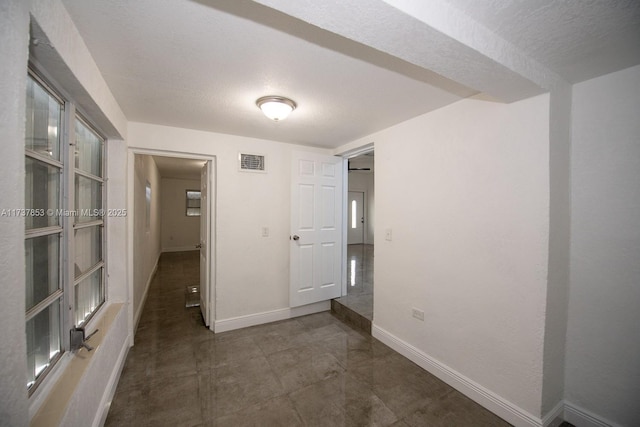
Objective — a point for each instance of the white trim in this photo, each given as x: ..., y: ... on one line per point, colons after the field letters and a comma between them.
x: 345, y: 216
x: 211, y: 255
x: 112, y: 385
x: 249, y: 153
x: 354, y: 152
x: 270, y: 316
x: 131, y: 182
x: 488, y: 399
x: 143, y: 301
x: 180, y: 249
x: 555, y: 416
x: 80, y: 392
x: 581, y: 417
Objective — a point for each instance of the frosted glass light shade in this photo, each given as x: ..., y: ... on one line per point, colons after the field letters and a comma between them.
x: 276, y: 107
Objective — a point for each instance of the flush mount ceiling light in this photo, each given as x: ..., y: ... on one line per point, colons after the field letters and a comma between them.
x: 276, y: 107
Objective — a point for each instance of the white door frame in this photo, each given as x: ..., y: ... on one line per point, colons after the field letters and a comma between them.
x: 211, y: 254
x: 367, y: 148
x: 204, y: 237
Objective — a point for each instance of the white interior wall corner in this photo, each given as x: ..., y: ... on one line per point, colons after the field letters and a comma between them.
x: 557, y: 299
x: 603, y: 349
x: 59, y: 28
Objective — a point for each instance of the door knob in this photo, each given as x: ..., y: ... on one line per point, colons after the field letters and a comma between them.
x: 296, y: 237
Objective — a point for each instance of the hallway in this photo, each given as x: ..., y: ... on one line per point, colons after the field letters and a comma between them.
x: 308, y: 371
x: 359, y: 296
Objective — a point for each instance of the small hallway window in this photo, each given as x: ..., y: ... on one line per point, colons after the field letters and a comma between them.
x: 193, y: 202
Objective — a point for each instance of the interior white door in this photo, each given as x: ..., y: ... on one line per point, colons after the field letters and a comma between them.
x: 205, y: 232
x: 355, y: 226
x: 316, y: 228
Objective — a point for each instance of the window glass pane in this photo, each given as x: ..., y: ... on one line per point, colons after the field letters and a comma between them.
x: 43, y: 341
x: 89, y: 294
x: 353, y: 213
x: 88, y: 248
x: 193, y: 202
x: 44, y: 113
x: 88, y: 199
x: 88, y: 150
x: 42, y: 193
x: 43, y: 267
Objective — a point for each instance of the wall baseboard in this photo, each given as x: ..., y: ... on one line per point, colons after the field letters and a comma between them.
x: 583, y: 418
x: 138, y: 314
x: 239, y: 322
x: 180, y: 249
x: 555, y: 416
x: 491, y: 401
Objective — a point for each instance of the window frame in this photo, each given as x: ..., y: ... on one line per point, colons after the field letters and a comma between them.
x: 77, y: 225
x: 67, y: 226
x: 187, y: 207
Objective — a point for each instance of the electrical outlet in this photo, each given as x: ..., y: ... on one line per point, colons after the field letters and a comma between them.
x: 265, y: 231
x: 387, y: 234
x: 418, y: 314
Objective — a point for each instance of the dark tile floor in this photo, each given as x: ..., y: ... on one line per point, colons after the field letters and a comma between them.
x: 359, y: 296
x: 308, y: 371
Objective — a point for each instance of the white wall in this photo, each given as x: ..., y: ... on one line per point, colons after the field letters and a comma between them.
x: 117, y: 251
x: 14, y: 33
x: 252, y: 272
x: 559, y: 246
x: 146, y: 234
x: 364, y: 182
x: 179, y: 231
x: 66, y: 61
x: 470, y: 245
x: 70, y: 63
x: 603, y: 336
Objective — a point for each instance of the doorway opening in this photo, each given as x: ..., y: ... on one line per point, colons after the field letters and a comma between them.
x: 360, y: 212
x: 172, y: 231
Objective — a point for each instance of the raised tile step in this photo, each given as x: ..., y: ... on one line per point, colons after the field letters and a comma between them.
x: 350, y: 317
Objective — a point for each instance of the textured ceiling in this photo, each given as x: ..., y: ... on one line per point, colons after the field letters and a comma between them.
x: 353, y: 66
x: 578, y: 39
x: 185, y: 64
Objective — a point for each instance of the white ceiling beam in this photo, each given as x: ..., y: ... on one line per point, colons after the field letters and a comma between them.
x: 432, y: 35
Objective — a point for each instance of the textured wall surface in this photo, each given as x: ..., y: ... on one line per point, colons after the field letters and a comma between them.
x: 146, y: 232
x: 603, y: 348
x: 14, y: 33
x: 559, y: 246
x: 470, y: 246
x: 252, y: 272
x: 178, y: 231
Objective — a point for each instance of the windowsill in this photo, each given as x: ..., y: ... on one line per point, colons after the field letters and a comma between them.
x: 54, y: 405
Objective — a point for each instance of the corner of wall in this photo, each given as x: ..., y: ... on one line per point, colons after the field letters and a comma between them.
x: 557, y: 299
x: 602, y: 348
